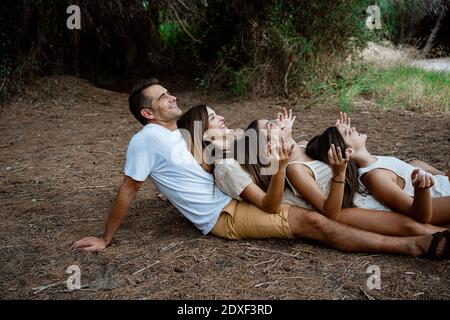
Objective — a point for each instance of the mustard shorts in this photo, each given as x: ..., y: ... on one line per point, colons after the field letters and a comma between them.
x: 242, y: 220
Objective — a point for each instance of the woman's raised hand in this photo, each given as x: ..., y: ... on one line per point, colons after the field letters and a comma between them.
x: 344, y: 120
x: 284, y: 122
x: 338, y: 164
x: 421, y: 180
x: 280, y: 152
x: 285, y: 119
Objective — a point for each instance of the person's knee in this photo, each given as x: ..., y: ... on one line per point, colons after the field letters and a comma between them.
x: 412, y: 228
x: 304, y: 223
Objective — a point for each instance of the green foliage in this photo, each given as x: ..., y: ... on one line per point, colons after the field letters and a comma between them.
x: 169, y: 30
x: 279, y: 36
x: 243, y: 47
x: 401, y: 86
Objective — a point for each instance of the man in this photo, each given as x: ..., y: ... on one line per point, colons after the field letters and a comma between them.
x: 159, y: 152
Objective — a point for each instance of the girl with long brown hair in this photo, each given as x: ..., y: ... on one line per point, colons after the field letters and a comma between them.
x: 311, y: 183
x: 395, y: 183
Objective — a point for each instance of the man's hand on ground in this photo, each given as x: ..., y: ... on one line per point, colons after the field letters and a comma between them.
x: 90, y: 244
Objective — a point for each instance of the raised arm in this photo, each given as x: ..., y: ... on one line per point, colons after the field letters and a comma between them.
x: 119, y: 209
x: 333, y: 204
x: 271, y: 200
x: 382, y: 184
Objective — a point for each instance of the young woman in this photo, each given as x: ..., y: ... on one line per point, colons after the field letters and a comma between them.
x: 245, y: 182
x: 200, y: 126
x: 395, y: 183
x: 313, y: 188
x: 229, y: 175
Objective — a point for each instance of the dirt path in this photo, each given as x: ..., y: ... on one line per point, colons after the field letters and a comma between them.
x: 386, y: 55
x: 62, y: 156
x: 438, y: 64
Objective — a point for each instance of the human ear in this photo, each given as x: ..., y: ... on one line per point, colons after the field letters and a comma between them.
x: 147, y: 114
x: 350, y: 151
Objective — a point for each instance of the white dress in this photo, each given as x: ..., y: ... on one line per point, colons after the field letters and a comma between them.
x: 402, y: 169
x: 323, y: 174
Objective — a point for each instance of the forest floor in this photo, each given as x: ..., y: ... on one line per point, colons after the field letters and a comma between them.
x: 62, y: 150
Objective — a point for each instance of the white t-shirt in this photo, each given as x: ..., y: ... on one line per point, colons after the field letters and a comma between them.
x: 161, y: 154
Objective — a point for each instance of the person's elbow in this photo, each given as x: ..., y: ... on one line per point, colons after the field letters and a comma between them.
x: 271, y: 208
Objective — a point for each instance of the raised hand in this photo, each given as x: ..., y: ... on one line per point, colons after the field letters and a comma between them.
x: 421, y: 180
x: 338, y: 164
x: 343, y: 121
x: 285, y: 119
x: 279, y: 152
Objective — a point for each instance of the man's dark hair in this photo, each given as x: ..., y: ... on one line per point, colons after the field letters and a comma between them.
x: 138, y: 100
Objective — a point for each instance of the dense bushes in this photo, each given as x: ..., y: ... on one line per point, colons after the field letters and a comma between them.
x: 260, y: 47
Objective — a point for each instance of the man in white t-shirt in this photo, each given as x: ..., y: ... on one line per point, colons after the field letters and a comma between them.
x: 159, y: 152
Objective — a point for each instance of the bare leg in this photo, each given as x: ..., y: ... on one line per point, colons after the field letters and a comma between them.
x: 314, y: 226
x: 426, y: 167
x: 387, y: 223
x: 441, y: 211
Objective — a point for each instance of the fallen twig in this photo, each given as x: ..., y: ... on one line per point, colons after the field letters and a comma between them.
x: 42, y: 288
x: 368, y: 296
x: 93, y: 187
x: 147, y: 267
x: 375, y: 255
x: 264, y: 262
x: 272, y: 266
x: 295, y: 256
x: 173, y: 244
x: 263, y: 283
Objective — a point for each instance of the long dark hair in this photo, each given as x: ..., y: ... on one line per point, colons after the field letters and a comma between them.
x: 194, y: 138
x: 317, y: 149
x: 252, y: 153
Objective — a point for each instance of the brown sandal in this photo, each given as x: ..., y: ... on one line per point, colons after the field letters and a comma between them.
x: 437, y: 237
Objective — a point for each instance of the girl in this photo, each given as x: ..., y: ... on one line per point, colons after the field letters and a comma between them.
x: 313, y: 188
x: 395, y: 183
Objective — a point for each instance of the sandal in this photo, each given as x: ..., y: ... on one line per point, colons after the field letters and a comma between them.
x: 437, y: 237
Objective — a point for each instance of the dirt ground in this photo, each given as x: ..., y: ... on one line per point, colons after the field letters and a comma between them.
x: 62, y: 155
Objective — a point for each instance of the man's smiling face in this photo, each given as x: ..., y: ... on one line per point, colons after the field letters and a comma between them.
x: 164, y: 106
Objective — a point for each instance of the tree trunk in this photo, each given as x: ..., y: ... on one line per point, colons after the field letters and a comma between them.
x: 430, y: 42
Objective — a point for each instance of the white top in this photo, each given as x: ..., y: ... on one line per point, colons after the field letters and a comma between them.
x: 323, y: 174
x: 161, y: 154
x: 231, y: 178
x: 403, y: 170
